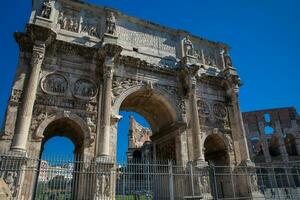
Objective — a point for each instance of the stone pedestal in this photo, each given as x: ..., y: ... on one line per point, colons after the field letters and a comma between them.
x: 105, y: 179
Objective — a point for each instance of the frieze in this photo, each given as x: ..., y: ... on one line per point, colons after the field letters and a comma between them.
x: 63, y: 102
x: 55, y: 84
x: 84, y: 89
x: 164, y: 66
x: 69, y: 20
x: 87, y: 24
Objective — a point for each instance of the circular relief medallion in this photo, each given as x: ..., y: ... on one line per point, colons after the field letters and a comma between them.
x: 54, y: 84
x: 84, y: 89
x: 203, y: 108
x: 220, y: 110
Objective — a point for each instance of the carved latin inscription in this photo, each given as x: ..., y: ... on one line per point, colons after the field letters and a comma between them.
x: 143, y: 37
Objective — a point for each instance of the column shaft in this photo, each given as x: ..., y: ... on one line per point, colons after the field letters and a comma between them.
x: 108, y: 75
x: 239, y: 123
x: 195, y: 121
x: 25, y: 114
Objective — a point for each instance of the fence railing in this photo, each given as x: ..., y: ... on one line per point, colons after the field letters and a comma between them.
x: 82, y: 178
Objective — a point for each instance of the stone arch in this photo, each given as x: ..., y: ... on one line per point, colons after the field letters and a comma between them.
x: 157, y: 95
x: 68, y: 120
x: 162, y: 114
x: 290, y: 144
x: 217, y: 148
x: 274, y: 146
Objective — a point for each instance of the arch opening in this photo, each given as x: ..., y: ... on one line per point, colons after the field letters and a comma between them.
x: 274, y: 146
x: 133, y: 138
x: 57, y: 174
x: 160, y: 115
x: 216, y: 150
x: 290, y: 145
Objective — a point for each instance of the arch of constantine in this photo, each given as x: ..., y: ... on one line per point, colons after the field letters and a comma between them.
x: 79, y: 65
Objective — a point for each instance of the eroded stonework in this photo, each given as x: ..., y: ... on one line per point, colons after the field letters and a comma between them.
x: 87, y: 63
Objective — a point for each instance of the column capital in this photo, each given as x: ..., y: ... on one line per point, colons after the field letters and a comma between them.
x: 38, y: 53
x: 189, y: 75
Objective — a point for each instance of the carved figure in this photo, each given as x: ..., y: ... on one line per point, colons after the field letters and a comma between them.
x: 253, y: 179
x: 84, y: 88
x: 210, y: 60
x: 55, y: 83
x: 16, y: 95
x: 188, y: 46
x: 227, y: 60
x: 110, y: 23
x: 10, y: 181
x: 91, y: 124
x: 103, y: 186
x: 203, y: 108
x: 220, y: 110
x: 68, y: 22
x: 46, y: 9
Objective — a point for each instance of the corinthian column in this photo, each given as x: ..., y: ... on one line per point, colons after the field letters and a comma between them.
x: 195, y: 119
x: 111, y: 52
x: 25, y: 114
x: 104, y: 137
x: 239, y: 121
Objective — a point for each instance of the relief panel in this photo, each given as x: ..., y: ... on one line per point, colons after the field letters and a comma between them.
x: 84, y: 89
x: 55, y: 84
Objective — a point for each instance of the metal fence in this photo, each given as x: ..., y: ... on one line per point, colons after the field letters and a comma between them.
x: 83, y: 178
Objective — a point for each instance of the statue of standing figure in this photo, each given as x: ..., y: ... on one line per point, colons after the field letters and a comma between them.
x: 110, y: 23
x: 46, y: 9
x: 188, y: 46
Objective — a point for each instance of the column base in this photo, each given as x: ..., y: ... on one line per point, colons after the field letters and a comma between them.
x: 247, y: 163
x: 200, y: 163
x: 18, y: 152
x: 105, y: 178
x: 105, y: 159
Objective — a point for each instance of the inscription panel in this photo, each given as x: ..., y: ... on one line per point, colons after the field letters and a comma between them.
x: 161, y: 43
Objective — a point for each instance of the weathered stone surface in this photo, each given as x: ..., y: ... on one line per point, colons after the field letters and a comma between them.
x: 5, y: 193
x: 87, y: 63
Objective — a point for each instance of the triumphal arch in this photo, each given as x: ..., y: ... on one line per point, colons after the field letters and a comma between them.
x: 79, y: 65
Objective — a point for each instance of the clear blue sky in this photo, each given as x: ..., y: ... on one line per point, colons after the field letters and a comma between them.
x: 264, y: 36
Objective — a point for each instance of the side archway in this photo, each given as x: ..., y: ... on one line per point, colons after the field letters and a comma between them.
x: 68, y: 125
x: 216, y: 150
x: 290, y: 145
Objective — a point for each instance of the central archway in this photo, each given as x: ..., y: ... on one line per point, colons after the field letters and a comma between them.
x: 160, y: 112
